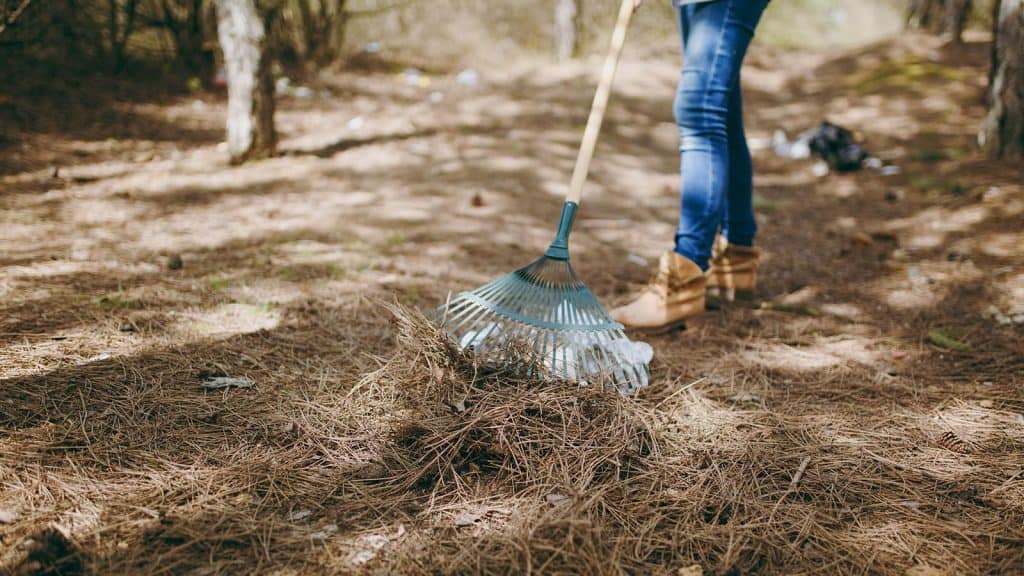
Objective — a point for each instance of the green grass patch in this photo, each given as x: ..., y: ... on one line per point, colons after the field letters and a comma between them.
x: 903, y: 75
x: 394, y: 239
x: 216, y: 283
x: 928, y: 155
x: 939, y: 185
x: 299, y: 272
x: 934, y: 155
x: 118, y: 300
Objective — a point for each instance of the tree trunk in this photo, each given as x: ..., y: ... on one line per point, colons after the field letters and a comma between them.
x: 1002, y: 132
x: 926, y: 15
x: 250, y: 86
x: 566, y: 29
x: 955, y: 18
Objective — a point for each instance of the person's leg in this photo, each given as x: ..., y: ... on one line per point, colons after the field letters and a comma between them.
x: 738, y: 225
x: 716, y: 36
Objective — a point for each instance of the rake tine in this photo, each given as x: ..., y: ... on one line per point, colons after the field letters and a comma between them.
x: 477, y: 312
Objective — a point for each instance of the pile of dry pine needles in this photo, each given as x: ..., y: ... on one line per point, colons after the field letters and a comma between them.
x: 434, y: 464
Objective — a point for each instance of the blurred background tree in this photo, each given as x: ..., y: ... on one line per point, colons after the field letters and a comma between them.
x: 1002, y: 132
x: 177, y: 40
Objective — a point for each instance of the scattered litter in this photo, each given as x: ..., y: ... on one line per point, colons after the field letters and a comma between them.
x: 477, y: 201
x: 415, y: 77
x: 8, y: 516
x: 832, y: 143
x: 325, y: 532
x: 916, y: 277
x: 304, y: 92
x: 637, y: 259
x: 174, y: 262
x: 468, y: 77
x: 198, y: 105
x: 1012, y: 316
x: 797, y: 149
x: 356, y: 123
x: 300, y: 515
x: 467, y: 519
x: 370, y: 544
x: 362, y: 557
x: 98, y: 358
x: 889, y: 170
x: 282, y: 85
x: 820, y: 169
x: 836, y: 146
x: 629, y: 358
x: 221, y: 382
x: 373, y: 48
x: 556, y: 499
x: 473, y: 338
x: 992, y: 193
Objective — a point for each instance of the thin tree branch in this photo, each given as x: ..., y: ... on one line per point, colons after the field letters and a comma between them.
x: 10, y: 18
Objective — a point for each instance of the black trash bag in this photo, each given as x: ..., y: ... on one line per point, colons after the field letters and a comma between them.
x: 837, y: 147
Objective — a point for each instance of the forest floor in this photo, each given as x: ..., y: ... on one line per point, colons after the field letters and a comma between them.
x: 865, y: 416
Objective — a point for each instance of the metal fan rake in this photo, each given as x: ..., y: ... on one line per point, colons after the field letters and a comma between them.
x: 541, y: 319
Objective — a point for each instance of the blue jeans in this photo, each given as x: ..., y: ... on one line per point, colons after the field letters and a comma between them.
x: 717, y: 176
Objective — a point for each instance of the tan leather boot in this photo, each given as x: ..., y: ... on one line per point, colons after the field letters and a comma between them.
x: 676, y: 292
x: 733, y: 270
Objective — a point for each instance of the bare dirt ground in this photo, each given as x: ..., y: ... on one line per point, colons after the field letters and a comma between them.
x: 867, y: 417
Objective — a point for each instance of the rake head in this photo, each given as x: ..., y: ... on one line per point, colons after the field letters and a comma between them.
x: 542, y: 320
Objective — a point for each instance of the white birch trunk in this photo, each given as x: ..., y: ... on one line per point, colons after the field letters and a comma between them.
x: 243, y: 39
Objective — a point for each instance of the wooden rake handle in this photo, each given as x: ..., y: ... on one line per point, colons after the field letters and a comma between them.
x: 597, y: 109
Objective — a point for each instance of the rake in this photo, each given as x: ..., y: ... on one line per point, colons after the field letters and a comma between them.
x: 542, y: 319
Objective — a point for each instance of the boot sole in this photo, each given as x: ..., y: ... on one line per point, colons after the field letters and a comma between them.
x: 678, y: 325
x: 672, y: 326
